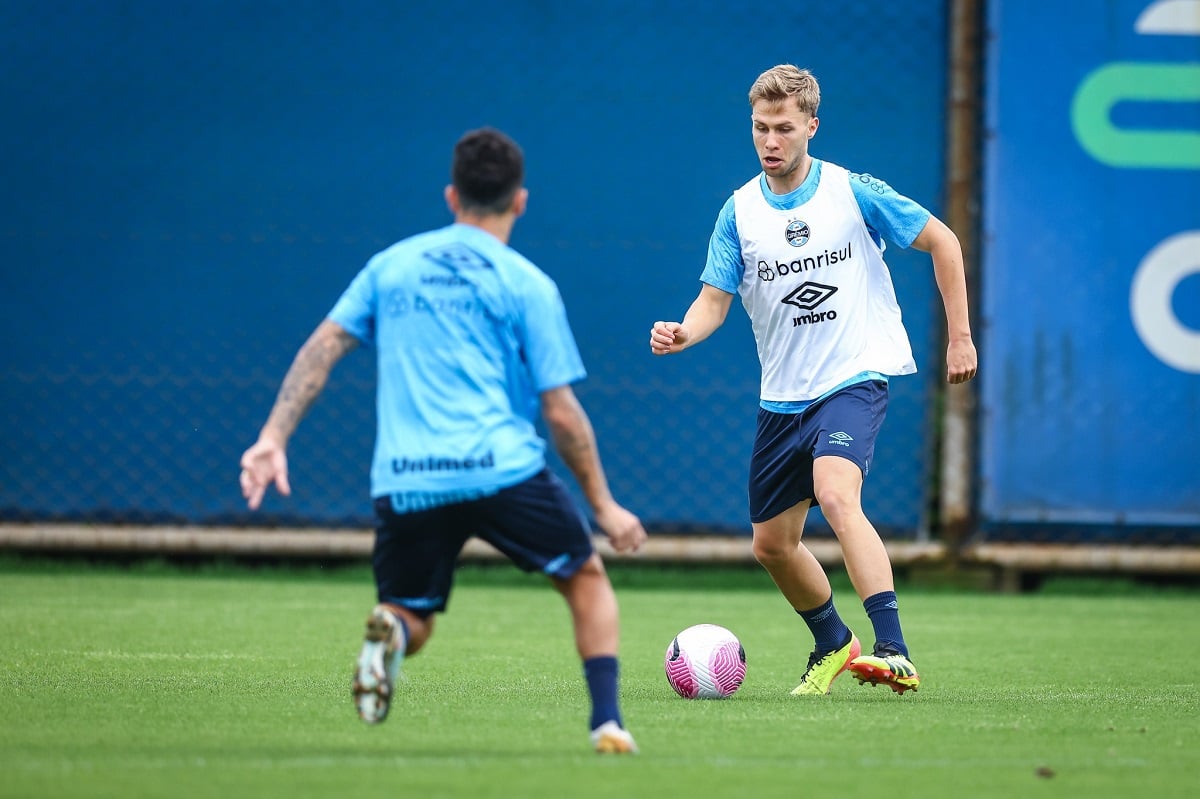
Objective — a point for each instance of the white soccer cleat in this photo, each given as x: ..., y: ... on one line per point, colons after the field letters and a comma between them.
x: 610, y: 739
x: 378, y: 666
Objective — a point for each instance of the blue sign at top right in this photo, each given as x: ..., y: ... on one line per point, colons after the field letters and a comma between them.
x: 1090, y: 273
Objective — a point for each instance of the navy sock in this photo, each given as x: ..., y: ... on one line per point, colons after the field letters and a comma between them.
x: 601, y: 675
x: 828, y: 629
x: 403, y: 631
x: 885, y: 618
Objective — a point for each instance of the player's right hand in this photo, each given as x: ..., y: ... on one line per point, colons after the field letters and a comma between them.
x: 667, y: 337
x: 623, y: 528
x: 263, y: 464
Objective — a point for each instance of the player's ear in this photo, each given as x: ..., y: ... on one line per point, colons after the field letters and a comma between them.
x: 813, y: 124
x: 451, y: 195
x: 520, y: 201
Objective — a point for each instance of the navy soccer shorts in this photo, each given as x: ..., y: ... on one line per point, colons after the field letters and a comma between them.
x: 786, y: 444
x: 535, y: 524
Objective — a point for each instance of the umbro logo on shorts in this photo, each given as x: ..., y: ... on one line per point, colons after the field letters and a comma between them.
x: 840, y: 438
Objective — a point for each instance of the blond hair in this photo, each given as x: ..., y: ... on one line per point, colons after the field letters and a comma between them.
x: 783, y: 81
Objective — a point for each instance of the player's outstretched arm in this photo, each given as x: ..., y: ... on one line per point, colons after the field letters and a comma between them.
x: 706, y: 314
x: 962, y: 361
x: 265, y: 462
x: 575, y: 441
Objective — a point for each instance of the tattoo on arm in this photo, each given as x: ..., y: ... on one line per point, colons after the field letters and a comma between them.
x: 307, y: 376
x: 575, y: 447
x: 575, y: 442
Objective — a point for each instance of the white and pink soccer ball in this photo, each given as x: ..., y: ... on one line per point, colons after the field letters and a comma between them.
x: 705, y: 662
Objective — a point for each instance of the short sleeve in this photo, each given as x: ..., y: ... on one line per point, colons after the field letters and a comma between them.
x: 355, y: 309
x: 888, y: 214
x: 724, y: 267
x: 551, y: 353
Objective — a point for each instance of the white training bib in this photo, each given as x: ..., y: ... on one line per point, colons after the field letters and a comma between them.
x: 818, y: 293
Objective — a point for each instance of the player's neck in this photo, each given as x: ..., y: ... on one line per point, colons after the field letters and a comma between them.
x: 499, y: 225
x: 786, y: 184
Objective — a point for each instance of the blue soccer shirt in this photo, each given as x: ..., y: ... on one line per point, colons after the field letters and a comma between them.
x: 467, y: 334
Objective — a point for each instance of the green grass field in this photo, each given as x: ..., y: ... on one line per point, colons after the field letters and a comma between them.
x: 234, y: 682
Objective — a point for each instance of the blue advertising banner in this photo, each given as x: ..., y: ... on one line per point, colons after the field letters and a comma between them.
x: 1091, y: 269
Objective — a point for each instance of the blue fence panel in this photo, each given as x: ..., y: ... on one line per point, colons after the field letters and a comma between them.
x: 190, y: 185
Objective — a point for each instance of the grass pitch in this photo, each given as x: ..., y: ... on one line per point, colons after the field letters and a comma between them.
x: 231, y: 682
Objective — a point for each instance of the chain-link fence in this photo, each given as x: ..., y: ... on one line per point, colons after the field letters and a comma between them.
x: 190, y: 185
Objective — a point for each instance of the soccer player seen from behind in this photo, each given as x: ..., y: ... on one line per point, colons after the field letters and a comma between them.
x: 472, y: 342
x: 802, y: 243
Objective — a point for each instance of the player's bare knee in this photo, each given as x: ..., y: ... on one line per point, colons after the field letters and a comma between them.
x: 593, y: 566
x: 839, y: 505
x: 770, y: 551
x: 589, y: 578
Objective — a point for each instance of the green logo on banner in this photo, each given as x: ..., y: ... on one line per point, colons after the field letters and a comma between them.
x: 1127, y: 82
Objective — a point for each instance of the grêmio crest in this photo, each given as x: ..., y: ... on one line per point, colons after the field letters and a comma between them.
x: 797, y: 233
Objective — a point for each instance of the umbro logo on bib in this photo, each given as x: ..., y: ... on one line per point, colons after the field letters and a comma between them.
x: 806, y: 297
x: 809, y: 295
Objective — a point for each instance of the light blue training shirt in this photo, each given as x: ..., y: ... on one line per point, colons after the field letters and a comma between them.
x: 888, y: 215
x: 467, y: 333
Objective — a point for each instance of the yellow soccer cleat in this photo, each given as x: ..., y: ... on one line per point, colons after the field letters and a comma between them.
x: 822, y: 671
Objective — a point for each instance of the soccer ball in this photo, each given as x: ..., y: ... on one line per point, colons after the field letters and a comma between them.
x: 705, y: 662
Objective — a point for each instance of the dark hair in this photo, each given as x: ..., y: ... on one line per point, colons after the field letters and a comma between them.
x: 487, y: 171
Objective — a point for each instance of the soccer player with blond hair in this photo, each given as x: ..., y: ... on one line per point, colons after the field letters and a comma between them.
x: 802, y: 242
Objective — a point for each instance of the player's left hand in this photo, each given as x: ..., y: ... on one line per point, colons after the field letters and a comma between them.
x: 962, y: 362
x: 263, y: 464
